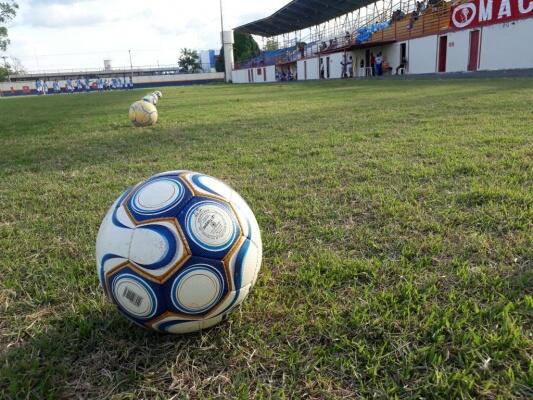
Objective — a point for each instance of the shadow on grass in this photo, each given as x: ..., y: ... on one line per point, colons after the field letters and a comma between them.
x: 94, y: 355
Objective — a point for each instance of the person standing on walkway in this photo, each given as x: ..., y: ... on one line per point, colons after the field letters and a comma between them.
x: 379, y: 64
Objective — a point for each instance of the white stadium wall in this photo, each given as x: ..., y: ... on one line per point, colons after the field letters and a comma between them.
x: 254, y: 75
x: 155, y: 79
x: 308, y: 69
x: 264, y: 74
x: 507, y: 46
x: 301, y: 67
x: 422, y: 55
x: 271, y: 73
x: 335, y: 66
x: 393, y: 55
x: 357, y: 56
x: 240, y: 76
x: 502, y: 46
x: 312, y: 68
x: 258, y: 75
x: 457, y: 51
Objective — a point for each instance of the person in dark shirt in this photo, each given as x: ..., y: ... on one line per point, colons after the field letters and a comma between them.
x: 344, y: 64
x: 403, y: 65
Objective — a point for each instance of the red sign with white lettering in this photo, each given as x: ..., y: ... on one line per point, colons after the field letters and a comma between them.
x: 487, y: 12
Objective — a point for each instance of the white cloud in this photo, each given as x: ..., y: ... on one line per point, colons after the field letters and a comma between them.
x: 60, y: 34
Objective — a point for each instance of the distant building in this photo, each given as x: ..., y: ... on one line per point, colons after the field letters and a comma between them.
x: 208, y: 59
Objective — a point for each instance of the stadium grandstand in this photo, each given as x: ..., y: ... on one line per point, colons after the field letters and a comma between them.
x: 327, y: 39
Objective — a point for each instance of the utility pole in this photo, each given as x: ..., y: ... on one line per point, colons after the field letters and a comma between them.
x: 131, y: 66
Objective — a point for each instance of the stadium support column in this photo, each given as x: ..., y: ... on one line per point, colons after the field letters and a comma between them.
x: 227, y: 37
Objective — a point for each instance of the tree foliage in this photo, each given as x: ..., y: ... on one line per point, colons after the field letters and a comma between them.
x: 11, y: 66
x: 272, y: 44
x: 8, y: 10
x: 245, y: 47
x: 189, y: 61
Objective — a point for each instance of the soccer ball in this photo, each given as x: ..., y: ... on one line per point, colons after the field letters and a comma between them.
x: 151, y: 98
x: 143, y: 114
x: 178, y: 252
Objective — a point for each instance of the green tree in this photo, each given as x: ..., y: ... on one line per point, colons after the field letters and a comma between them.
x: 245, y: 47
x: 272, y: 44
x: 8, y: 10
x: 189, y: 61
x: 10, y: 67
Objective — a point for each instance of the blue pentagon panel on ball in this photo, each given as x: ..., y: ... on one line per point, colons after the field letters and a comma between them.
x: 182, y: 288
x: 158, y: 197
x: 211, y: 187
x: 210, y: 227
x: 178, y: 252
x: 137, y: 297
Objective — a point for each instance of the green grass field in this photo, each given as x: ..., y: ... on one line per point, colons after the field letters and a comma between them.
x: 396, y: 219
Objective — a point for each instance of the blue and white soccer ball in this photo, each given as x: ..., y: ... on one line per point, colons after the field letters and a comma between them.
x: 178, y: 252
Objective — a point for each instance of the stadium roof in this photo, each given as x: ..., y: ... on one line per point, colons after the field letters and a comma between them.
x: 301, y: 14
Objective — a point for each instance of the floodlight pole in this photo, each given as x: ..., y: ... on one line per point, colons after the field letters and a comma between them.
x: 221, y: 23
x: 222, y: 36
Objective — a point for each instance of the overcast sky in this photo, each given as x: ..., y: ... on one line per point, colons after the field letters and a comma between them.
x: 61, y: 34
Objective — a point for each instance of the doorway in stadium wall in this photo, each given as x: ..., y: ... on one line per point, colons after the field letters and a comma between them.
x: 327, y: 67
x: 305, y: 70
x: 403, y: 56
x: 473, y: 56
x: 443, y: 49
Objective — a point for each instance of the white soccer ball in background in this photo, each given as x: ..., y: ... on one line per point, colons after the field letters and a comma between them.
x: 151, y: 98
x: 178, y: 252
